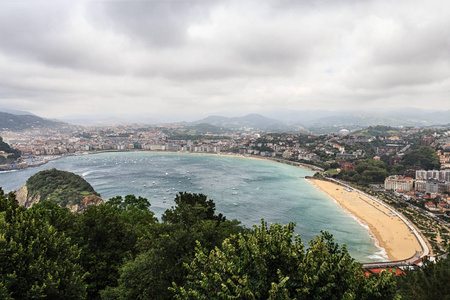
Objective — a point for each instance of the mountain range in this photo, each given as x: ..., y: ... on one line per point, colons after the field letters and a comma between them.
x: 253, y: 121
x: 388, y: 117
x: 329, y: 121
x: 315, y: 121
x: 21, y: 121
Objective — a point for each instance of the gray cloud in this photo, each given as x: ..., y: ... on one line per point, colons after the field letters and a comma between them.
x: 207, y: 56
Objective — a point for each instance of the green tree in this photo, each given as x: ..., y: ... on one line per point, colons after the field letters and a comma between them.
x: 5, y: 147
x: 36, y: 260
x: 367, y: 171
x: 136, y: 213
x: 9, y: 205
x: 166, y: 247
x: 431, y: 281
x: 424, y: 157
x: 269, y: 264
x: 106, y: 242
x: 190, y: 209
x: 61, y: 218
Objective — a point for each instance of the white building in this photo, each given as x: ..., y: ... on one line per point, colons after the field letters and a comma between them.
x: 443, y: 175
x: 421, y: 185
x: 396, y: 182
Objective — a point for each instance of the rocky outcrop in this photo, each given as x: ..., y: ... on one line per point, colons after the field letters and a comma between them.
x: 27, y: 201
x: 87, y: 201
x: 24, y: 199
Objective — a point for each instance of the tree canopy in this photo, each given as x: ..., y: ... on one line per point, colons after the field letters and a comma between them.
x: 7, y: 149
x: 424, y: 157
x: 36, y: 260
x: 367, y: 171
x: 167, y: 246
x: 269, y: 263
x: 431, y: 281
x: 62, y: 187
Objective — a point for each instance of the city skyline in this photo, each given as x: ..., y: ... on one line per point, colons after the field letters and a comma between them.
x: 174, y: 59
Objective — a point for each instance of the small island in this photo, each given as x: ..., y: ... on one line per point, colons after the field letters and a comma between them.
x: 61, y: 187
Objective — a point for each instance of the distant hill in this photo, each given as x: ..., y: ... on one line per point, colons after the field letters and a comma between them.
x: 15, y: 122
x: 205, y: 128
x: 64, y: 188
x: 198, y: 131
x: 249, y: 121
x: 362, y: 120
x: 387, y: 117
x: 7, y: 154
x: 365, y: 120
x: 379, y: 130
x: 254, y: 121
x: 16, y: 112
x: 7, y: 149
x: 322, y: 121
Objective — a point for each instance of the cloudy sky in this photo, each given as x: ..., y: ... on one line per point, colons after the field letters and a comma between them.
x: 171, y: 58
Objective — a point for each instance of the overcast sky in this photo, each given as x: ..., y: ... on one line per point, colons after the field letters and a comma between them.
x: 165, y: 59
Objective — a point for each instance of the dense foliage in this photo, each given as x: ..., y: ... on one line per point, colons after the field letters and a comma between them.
x: 431, y: 281
x: 62, y: 187
x: 36, y: 259
x: 13, y: 153
x: 166, y: 247
x: 119, y: 250
x: 424, y: 157
x: 267, y: 264
x: 367, y: 171
x: 379, y: 131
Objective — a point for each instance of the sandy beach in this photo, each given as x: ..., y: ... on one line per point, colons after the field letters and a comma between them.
x: 391, y: 232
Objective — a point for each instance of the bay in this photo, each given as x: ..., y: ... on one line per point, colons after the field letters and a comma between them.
x: 245, y: 189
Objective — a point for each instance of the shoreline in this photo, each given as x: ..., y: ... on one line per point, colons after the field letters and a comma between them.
x: 229, y: 154
x: 278, y: 160
x: 386, y: 228
x: 292, y: 163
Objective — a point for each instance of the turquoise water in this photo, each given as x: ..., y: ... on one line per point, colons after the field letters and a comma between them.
x: 245, y: 189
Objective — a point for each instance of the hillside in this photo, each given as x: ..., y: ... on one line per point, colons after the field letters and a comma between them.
x: 324, y: 121
x: 250, y: 121
x: 379, y: 130
x: 254, y: 121
x: 64, y: 188
x: 15, y: 122
x: 7, y: 154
